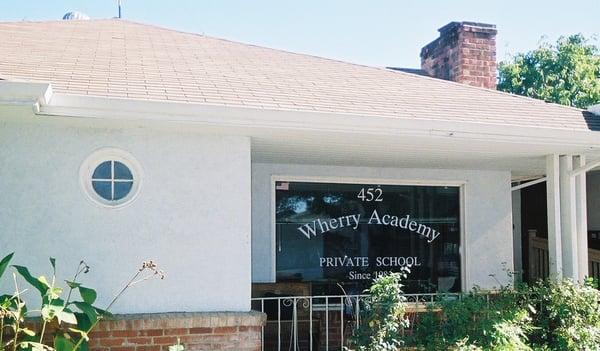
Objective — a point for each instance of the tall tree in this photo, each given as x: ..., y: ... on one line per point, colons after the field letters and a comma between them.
x: 567, y: 72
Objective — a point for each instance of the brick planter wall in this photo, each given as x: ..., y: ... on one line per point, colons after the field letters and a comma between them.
x: 196, y: 331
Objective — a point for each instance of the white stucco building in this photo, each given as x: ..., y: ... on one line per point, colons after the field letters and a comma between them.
x: 121, y: 142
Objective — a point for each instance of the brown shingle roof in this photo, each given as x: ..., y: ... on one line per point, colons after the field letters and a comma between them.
x: 117, y: 58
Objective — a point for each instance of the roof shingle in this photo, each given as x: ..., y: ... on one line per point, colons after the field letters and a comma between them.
x: 117, y: 58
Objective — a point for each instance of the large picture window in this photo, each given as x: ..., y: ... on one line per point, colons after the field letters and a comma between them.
x: 339, y: 236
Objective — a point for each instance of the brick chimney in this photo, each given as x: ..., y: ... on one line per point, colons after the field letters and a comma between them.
x: 465, y: 53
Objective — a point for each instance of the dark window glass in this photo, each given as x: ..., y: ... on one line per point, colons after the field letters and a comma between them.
x: 329, y: 234
x: 122, y: 189
x: 103, y: 188
x: 112, y: 180
x: 121, y: 171
x: 103, y: 171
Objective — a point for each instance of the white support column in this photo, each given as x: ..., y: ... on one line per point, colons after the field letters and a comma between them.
x: 581, y: 218
x: 517, y: 240
x: 554, y: 227
x: 568, y: 218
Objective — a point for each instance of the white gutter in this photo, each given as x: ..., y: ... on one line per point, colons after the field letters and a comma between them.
x: 245, y: 117
x: 25, y: 93
x: 48, y: 104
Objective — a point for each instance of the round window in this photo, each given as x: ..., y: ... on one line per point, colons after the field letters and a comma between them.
x: 112, y: 180
x: 110, y: 177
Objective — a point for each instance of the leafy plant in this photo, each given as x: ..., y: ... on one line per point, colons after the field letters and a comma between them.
x: 382, y: 316
x: 70, y: 319
x: 548, y: 315
x: 567, y: 72
x: 491, y: 321
x: 567, y: 315
x: 177, y: 347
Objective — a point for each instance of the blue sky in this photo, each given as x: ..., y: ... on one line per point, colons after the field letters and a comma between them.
x: 375, y: 32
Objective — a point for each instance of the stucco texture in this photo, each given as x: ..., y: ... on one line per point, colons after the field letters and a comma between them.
x: 192, y: 214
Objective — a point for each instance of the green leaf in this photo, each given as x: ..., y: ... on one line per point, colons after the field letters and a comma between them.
x: 27, y: 331
x: 49, y: 311
x: 53, y: 263
x: 63, y: 344
x: 6, y: 301
x: 66, y: 316
x: 44, y: 281
x: 103, y: 313
x: 83, y: 322
x: 52, y: 309
x: 83, y: 334
x: 84, y: 346
x: 88, y: 309
x: 88, y: 295
x: 24, y: 272
x: 33, y: 346
x: 72, y: 285
x: 55, y: 292
x: 4, y: 263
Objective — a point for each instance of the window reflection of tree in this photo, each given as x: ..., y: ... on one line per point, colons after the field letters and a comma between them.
x: 434, y: 206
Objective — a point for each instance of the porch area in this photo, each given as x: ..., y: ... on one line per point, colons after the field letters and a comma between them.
x: 326, y: 323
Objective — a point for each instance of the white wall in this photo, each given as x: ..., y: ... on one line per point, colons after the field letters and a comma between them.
x: 488, y: 222
x: 192, y: 215
x: 593, y: 200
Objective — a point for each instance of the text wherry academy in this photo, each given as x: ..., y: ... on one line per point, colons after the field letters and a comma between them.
x: 322, y: 226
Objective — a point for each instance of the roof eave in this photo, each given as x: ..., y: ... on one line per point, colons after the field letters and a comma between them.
x: 47, y: 103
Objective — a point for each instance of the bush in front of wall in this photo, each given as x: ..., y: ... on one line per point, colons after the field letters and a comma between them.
x: 548, y: 315
x: 567, y: 315
x: 67, y: 313
x: 382, y: 316
x: 478, y: 320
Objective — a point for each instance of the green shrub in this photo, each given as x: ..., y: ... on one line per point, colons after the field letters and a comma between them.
x: 66, y: 320
x: 477, y: 320
x: 548, y: 315
x: 382, y: 316
x: 567, y: 315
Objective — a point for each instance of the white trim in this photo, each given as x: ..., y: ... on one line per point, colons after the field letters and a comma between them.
x: 568, y: 218
x: 461, y: 184
x: 581, y: 220
x: 25, y: 93
x: 465, y: 259
x: 554, y: 221
x: 90, y: 107
x: 47, y: 103
x: 89, y: 165
x: 273, y: 229
x: 359, y: 180
x: 584, y: 169
x: 528, y: 184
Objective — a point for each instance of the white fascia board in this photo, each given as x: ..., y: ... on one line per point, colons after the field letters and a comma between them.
x: 24, y: 93
x: 267, y: 119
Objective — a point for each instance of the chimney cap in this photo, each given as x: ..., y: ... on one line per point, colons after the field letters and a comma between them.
x: 471, y: 26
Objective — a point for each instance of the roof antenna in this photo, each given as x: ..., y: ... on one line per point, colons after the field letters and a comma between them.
x: 119, y: 1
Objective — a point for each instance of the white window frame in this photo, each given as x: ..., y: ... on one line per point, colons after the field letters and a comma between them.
x: 99, y: 156
x: 461, y: 184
